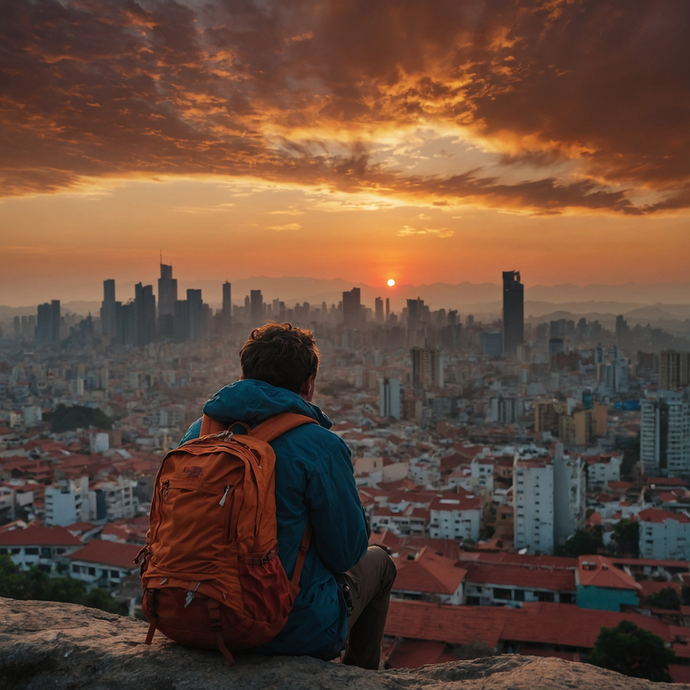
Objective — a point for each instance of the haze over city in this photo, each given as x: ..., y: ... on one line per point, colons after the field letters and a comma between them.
x: 423, y: 142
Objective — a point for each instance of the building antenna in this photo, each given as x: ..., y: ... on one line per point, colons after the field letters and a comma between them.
x: 161, y: 257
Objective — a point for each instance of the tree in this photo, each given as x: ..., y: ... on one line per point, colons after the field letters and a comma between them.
x: 626, y: 534
x: 633, y: 652
x: 69, y: 418
x: 666, y: 598
x: 582, y: 543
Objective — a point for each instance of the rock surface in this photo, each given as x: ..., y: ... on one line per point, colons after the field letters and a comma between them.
x: 66, y: 646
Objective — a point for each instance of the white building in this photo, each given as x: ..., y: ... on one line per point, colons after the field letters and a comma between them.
x: 38, y: 546
x: 533, y: 485
x: 390, y: 393
x: 603, y: 468
x: 665, y: 435
x: 114, y: 500
x: 663, y: 535
x: 505, y: 409
x: 455, y: 517
x: 32, y: 415
x: 569, y: 494
x: 67, y: 502
x: 104, y: 563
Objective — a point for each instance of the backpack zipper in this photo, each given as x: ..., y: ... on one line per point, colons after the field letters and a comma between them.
x: 222, y: 500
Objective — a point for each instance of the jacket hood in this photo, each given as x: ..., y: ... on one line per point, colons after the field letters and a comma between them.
x: 253, y: 401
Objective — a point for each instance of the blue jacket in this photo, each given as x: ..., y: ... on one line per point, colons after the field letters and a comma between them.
x: 314, y: 480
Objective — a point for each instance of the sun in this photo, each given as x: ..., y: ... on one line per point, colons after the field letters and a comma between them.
x: 391, y: 282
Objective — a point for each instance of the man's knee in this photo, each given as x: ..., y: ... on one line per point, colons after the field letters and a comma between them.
x: 386, y: 566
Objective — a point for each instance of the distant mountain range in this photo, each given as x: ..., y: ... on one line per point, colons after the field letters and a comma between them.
x: 655, y: 303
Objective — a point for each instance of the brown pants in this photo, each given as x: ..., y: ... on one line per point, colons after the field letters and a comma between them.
x: 370, y: 583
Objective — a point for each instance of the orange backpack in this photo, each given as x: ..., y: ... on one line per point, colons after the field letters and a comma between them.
x: 210, y: 570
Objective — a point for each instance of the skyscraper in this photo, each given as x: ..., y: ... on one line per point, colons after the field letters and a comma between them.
x: 378, y: 310
x: 195, y: 310
x: 167, y: 291
x: 665, y: 435
x: 145, y: 313
x: 257, y: 307
x: 108, y: 319
x: 352, y: 308
x: 227, y: 302
x: 513, y: 312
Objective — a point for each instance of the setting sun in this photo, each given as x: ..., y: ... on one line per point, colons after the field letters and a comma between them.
x: 391, y: 282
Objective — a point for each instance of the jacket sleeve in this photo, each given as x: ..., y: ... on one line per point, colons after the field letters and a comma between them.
x: 336, y: 514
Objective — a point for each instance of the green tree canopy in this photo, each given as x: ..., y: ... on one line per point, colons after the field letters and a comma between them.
x: 626, y: 534
x: 632, y: 651
x: 582, y: 543
x: 666, y: 598
x: 69, y: 418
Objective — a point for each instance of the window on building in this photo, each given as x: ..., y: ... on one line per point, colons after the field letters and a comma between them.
x: 31, y: 551
x: 519, y: 595
x: 92, y: 572
x: 76, y: 568
x: 500, y: 593
x: 545, y: 596
x: 114, y: 573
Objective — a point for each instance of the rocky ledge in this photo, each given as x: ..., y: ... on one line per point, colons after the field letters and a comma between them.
x: 65, y: 646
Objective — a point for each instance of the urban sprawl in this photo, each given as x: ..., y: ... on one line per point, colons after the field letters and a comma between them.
x: 531, y: 480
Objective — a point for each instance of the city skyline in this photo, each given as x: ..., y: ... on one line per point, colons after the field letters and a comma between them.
x: 431, y: 143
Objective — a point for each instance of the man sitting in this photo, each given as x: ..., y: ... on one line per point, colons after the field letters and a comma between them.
x: 315, y: 483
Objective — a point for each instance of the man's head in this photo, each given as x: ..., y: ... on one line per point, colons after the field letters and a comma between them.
x: 283, y: 356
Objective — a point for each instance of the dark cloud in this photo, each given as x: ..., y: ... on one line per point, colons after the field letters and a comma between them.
x: 119, y: 88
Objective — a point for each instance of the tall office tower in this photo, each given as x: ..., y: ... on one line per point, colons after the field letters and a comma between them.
x: 378, y: 310
x: 665, y: 435
x: 44, y: 329
x: 389, y: 398
x: 569, y: 494
x: 257, y: 307
x: 388, y: 309
x: 227, y: 305
x: 195, y: 306
x: 352, y: 308
x: 533, y: 502
x: 513, y: 312
x: 167, y: 291
x: 108, y: 319
x: 674, y: 369
x: 55, y: 320
x: 145, y: 314
x: 427, y: 368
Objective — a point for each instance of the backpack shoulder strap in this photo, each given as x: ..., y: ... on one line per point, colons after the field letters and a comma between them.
x: 211, y: 426
x: 279, y: 424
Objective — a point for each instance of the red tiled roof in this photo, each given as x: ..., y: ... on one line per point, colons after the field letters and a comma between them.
x: 659, y: 516
x: 524, y: 560
x: 599, y: 571
x: 39, y: 536
x: 555, y: 580
x: 108, y: 553
x: 452, y: 624
x: 428, y: 573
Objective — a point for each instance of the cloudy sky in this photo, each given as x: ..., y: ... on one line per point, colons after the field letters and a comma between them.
x: 424, y: 141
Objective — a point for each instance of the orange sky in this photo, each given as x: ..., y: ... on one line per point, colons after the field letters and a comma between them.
x: 420, y: 141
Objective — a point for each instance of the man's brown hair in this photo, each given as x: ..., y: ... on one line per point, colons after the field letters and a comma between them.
x: 280, y: 354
